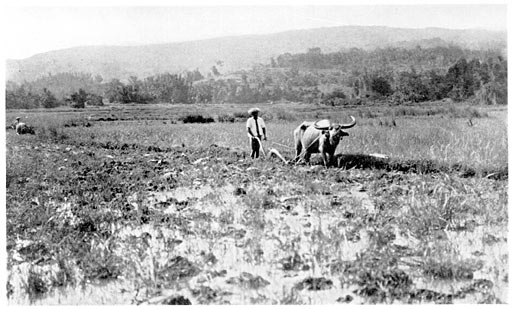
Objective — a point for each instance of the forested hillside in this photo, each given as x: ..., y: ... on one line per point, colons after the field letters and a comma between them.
x: 354, y: 76
x: 238, y: 52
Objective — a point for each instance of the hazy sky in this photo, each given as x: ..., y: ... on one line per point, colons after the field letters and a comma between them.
x: 30, y: 30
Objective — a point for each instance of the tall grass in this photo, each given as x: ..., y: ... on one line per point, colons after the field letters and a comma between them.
x: 451, y: 111
x: 481, y: 146
x: 450, y: 142
x: 416, y: 134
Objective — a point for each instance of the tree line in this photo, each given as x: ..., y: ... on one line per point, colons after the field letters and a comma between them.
x: 439, y: 57
x: 351, y: 77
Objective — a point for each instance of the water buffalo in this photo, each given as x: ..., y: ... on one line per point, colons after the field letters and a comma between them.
x: 319, y: 137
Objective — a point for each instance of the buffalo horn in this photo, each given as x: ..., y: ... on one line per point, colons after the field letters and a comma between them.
x: 348, y: 125
x: 324, y: 124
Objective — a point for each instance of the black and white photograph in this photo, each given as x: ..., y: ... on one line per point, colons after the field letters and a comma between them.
x: 254, y: 153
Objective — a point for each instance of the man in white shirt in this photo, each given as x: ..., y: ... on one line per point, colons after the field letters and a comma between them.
x: 255, y: 130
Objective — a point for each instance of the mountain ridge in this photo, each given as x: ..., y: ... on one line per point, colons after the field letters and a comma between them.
x: 236, y: 52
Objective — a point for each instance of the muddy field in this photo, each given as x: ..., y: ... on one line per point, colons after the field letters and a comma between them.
x: 147, y: 210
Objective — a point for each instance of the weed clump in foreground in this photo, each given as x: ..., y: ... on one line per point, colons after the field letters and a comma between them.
x: 176, y: 300
x: 248, y: 280
x: 447, y: 270
x: 379, y: 285
x: 36, y: 286
x: 378, y: 278
x: 179, y: 268
x: 380, y: 281
x: 314, y: 284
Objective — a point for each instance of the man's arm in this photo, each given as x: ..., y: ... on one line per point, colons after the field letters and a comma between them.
x: 263, y: 128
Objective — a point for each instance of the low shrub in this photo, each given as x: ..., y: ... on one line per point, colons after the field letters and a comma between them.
x: 196, y: 119
x: 281, y: 114
x: 242, y: 115
x: 78, y: 122
x: 226, y: 118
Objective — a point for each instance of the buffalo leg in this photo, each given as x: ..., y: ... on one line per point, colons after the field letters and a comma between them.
x: 325, y: 158
x: 307, y: 157
x: 298, y: 150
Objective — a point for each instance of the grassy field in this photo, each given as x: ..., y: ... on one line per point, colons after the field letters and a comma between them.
x: 129, y: 205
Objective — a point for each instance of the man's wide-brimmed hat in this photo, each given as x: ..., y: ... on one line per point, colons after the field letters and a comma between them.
x: 18, y: 118
x: 254, y: 110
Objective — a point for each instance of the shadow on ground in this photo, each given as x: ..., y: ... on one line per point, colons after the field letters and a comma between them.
x: 363, y: 161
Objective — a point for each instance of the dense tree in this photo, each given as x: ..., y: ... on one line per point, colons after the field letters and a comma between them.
x: 410, y: 86
x: 334, y: 98
x: 194, y: 76
x: 170, y: 88
x: 460, y: 80
x: 78, y: 99
x: 113, y: 91
x: 381, y: 86
x: 48, y: 100
x: 437, y: 88
x: 94, y: 100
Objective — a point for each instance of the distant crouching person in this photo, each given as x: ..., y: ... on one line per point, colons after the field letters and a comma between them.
x: 22, y: 128
x: 255, y: 130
